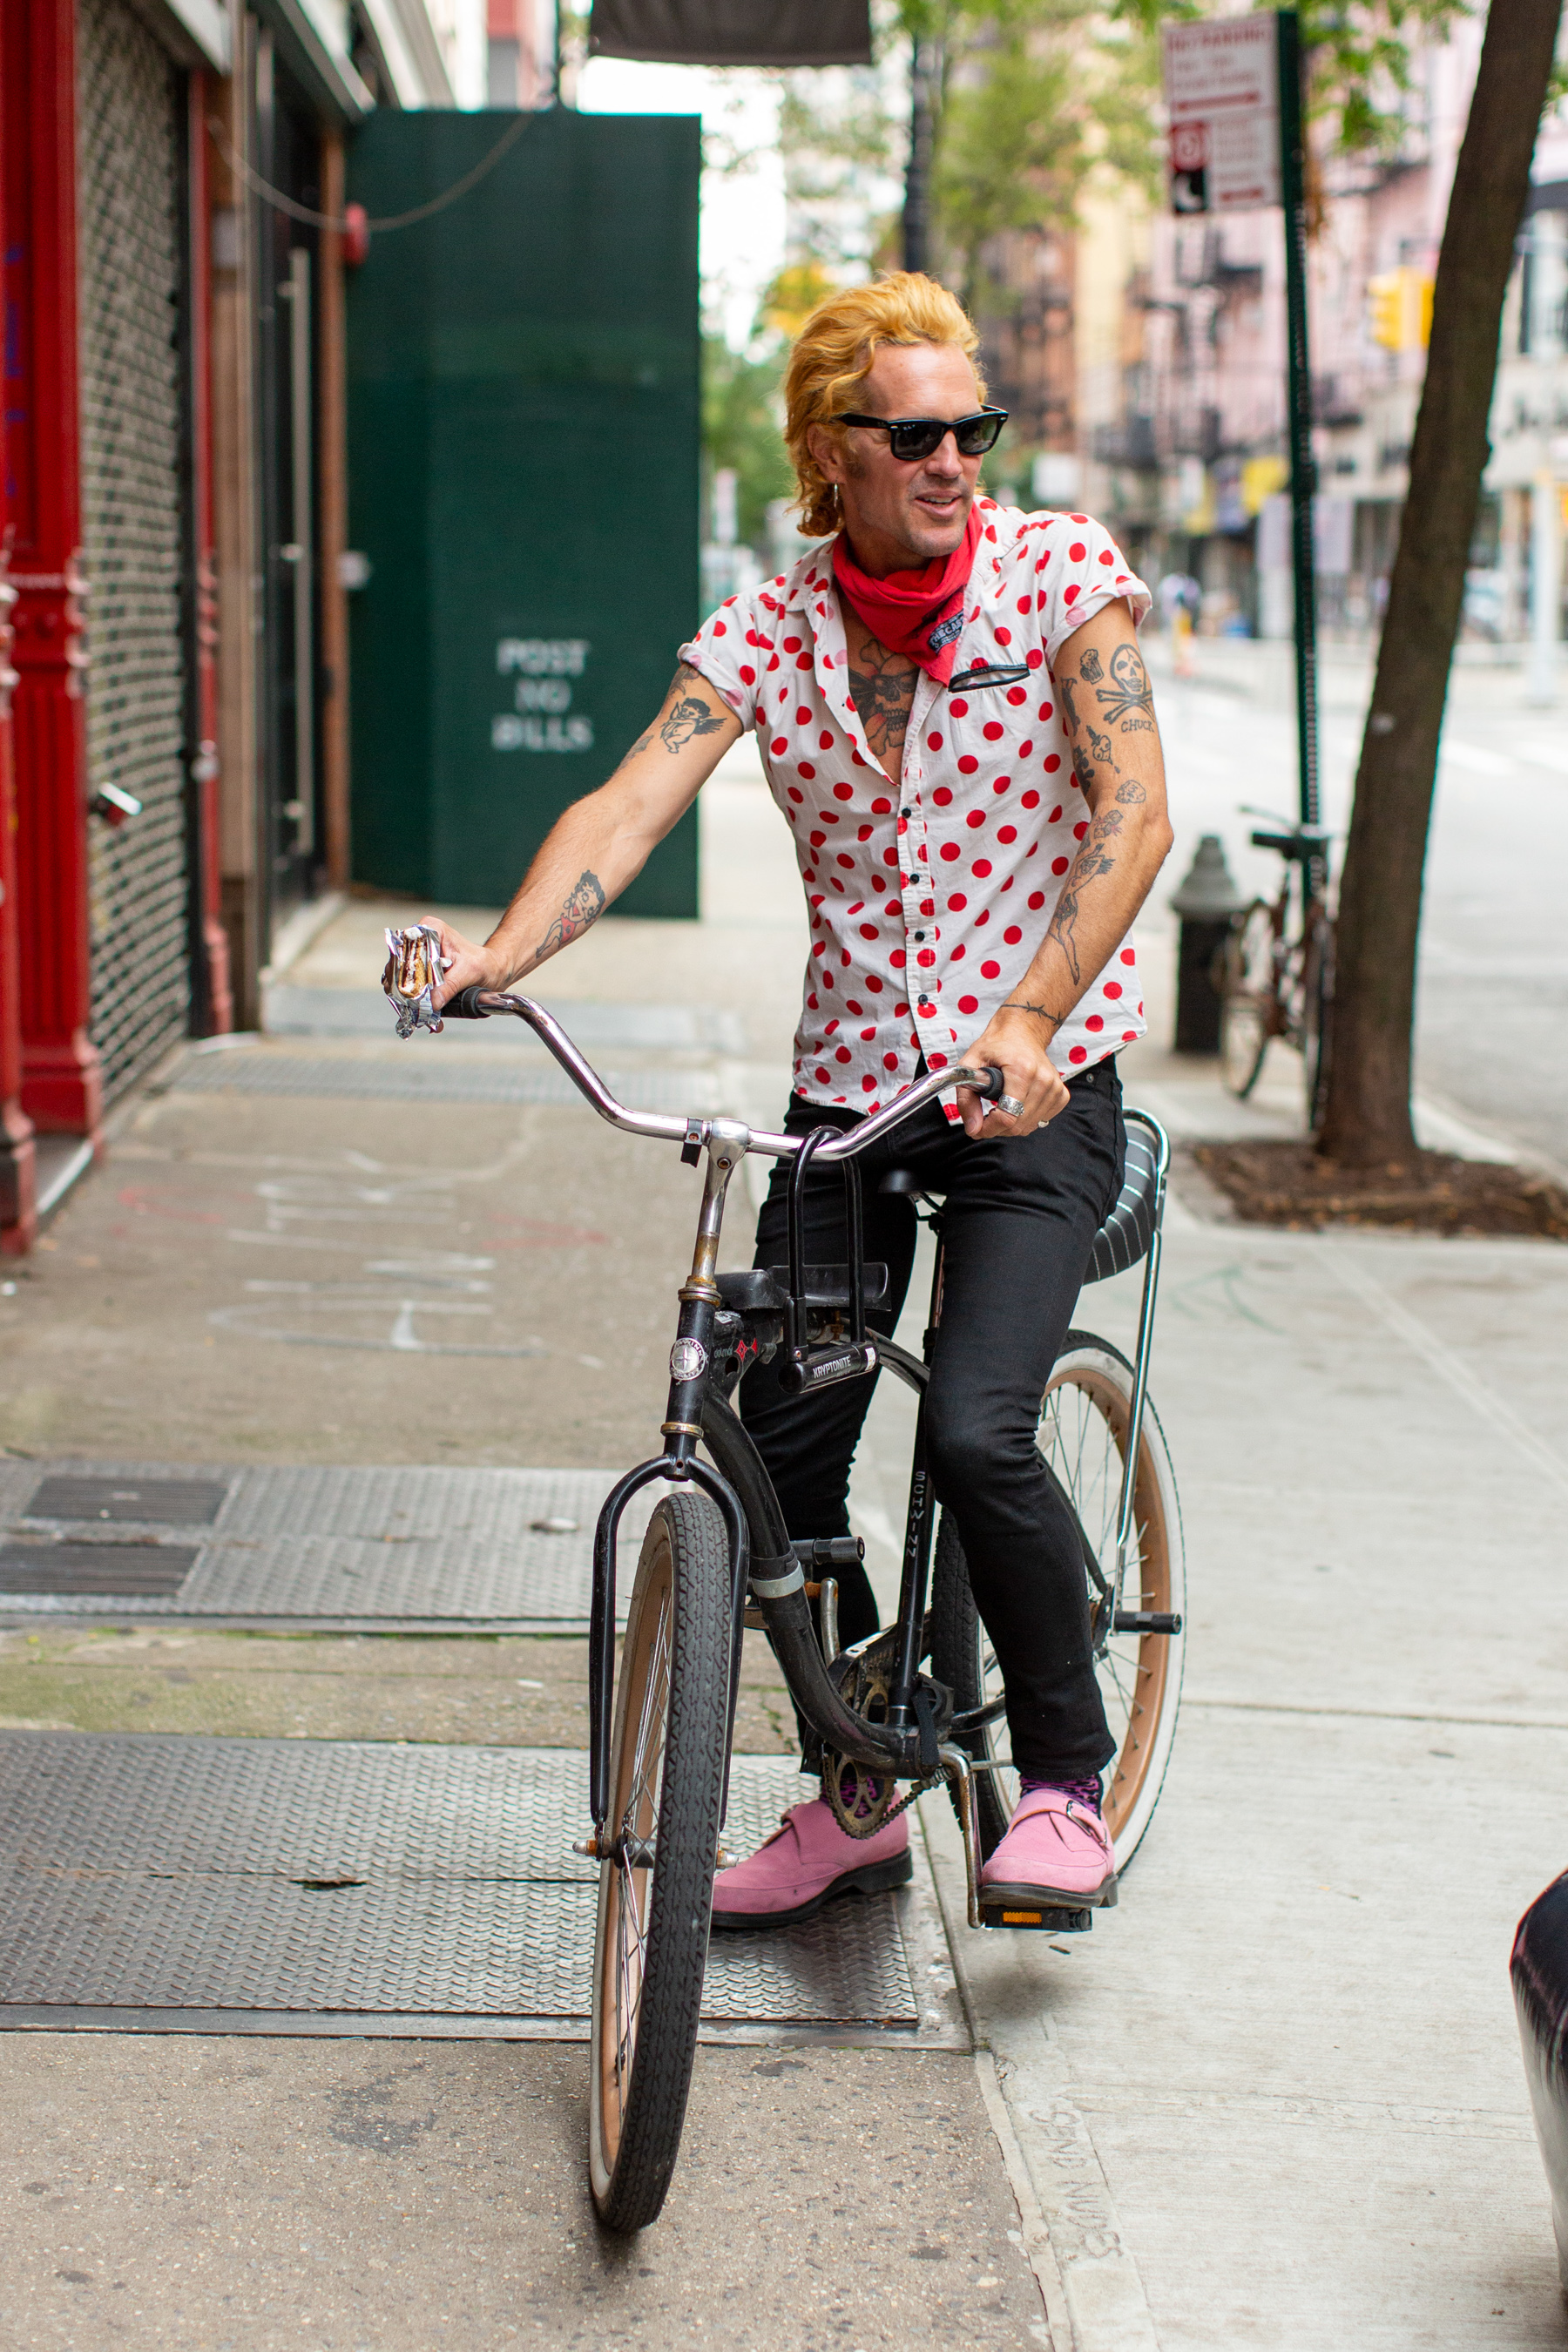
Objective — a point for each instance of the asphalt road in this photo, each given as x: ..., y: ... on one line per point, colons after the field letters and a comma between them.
x: 1494, y: 960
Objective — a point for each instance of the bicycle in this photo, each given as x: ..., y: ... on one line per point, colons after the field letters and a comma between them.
x: 718, y: 1558
x: 1272, y: 983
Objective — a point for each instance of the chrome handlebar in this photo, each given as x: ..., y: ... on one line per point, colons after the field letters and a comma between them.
x: 479, y: 1004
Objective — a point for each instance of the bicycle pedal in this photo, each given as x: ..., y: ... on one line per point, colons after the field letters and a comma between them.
x: 1045, y: 1921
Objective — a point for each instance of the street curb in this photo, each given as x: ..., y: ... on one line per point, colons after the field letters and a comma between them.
x: 1089, y: 2277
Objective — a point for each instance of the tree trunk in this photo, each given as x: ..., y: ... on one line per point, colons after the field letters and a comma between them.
x: 1367, y: 1120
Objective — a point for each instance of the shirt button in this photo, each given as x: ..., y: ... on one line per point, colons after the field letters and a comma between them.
x: 919, y: 935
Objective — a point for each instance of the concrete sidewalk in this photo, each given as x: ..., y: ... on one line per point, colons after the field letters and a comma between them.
x: 1275, y: 2100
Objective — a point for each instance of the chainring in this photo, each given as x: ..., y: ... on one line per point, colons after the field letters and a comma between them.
x: 860, y: 1796
x: 861, y: 1799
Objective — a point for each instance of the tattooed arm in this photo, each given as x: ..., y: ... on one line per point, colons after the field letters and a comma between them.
x: 601, y: 843
x: 1108, y: 711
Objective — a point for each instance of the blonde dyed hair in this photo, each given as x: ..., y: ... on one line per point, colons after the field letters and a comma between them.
x: 833, y: 355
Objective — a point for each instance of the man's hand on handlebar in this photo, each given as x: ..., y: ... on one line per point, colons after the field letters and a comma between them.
x: 467, y: 965
x: 1017, y: 1044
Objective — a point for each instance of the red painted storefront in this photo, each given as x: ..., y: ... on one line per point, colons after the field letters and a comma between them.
x: 50, y: 1079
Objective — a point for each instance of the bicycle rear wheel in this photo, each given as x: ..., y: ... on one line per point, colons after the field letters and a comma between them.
x: 1084, y: 1418
x: 1247, y: 1012
x: 655, y: 1888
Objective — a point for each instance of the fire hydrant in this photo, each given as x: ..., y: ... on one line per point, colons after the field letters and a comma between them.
x: 1207, y: 903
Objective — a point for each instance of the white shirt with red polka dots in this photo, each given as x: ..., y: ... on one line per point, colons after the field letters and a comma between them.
x: 928, y: 903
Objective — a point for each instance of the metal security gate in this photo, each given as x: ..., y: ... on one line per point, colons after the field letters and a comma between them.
x: 130, y: 104
x: 289, y: 157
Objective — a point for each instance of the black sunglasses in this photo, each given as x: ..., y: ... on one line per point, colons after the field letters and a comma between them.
x: 912, y: 438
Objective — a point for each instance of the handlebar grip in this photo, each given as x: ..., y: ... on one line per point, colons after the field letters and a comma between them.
x: 465, y: 1006
x: 994, y: 1084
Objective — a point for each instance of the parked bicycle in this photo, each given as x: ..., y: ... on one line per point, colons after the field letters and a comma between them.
x: 717, y: 1557
x: 1276, y: 975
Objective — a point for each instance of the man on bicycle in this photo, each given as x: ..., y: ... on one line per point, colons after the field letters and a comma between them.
x: 956, y: 724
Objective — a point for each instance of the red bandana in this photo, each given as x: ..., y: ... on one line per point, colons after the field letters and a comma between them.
x: 918, y: 613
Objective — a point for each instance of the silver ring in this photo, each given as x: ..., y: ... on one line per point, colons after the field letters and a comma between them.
x: 1011, y: 1104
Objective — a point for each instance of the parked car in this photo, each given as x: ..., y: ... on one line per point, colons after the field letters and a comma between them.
x: 1539, y: 1972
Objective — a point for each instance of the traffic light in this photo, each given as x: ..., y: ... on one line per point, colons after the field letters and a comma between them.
x: 1399, y: 310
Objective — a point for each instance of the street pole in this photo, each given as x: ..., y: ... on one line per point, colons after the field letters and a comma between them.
x: 1298, y: 399
x: 917, y: 179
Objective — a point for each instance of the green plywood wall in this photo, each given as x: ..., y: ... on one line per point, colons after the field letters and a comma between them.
x: 523, y: 423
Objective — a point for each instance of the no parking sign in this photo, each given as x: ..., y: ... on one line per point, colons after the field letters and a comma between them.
x: 1222, y: 93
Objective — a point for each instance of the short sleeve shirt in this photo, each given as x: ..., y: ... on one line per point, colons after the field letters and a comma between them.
x: 930, y: 898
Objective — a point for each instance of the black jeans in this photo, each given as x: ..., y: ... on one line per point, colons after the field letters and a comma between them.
x: 1017, y: 1227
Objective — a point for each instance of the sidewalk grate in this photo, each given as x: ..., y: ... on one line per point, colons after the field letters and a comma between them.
x: 169, y: 1502
x: 356, y: 1548
x: 99, y: 1569
x: 240, y: 1886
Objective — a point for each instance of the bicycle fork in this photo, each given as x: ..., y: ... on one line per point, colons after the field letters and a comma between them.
x: 682, y: 1426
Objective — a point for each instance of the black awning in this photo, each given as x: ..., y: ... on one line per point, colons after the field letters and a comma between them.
x: 734, y: 32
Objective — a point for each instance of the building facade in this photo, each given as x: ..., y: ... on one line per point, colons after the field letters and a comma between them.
x: 174, y: 712
x: 1182, y: 398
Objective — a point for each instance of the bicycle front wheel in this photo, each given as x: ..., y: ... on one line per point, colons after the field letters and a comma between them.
x: 1249, y: 1014
x: 1082, y: 1437
x: 656, y: 1885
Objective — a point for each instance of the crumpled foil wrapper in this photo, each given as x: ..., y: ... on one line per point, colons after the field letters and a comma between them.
x: 414, y: 969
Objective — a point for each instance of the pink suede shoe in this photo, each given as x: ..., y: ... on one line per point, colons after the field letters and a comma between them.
x: 1057, y: 1852
x: 806, y: 1861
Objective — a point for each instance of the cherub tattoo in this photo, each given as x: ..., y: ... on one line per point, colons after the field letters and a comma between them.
x: 1129, y: 690
x: 690, y: 717
x: 585, y: 905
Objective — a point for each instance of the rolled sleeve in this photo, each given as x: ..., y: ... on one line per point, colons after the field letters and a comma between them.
x: 723, y: 652
x: 1086, y: 571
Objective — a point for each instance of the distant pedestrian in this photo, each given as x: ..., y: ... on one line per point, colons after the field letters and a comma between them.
x: 1181, y: 601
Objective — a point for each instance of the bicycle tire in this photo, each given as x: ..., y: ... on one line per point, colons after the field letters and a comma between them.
x: 1089, y: 1390
x: 666, y: 1782
x: 1248, y: 1013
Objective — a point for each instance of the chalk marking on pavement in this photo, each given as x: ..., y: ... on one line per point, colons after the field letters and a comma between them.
x: 1300, y: 2108
x: 401, y: 1338
x: 1447, y: 1365
x: 1103, y: 2295
x: 1103, y: 2291
x: 1381, y: 1714
x: 1057, y: 2334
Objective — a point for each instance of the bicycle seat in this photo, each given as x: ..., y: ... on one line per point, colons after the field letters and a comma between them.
x: 903, y: 1180
x: 1306, y: 840
x: 1128, y: 1231
x: 765, y: 1288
